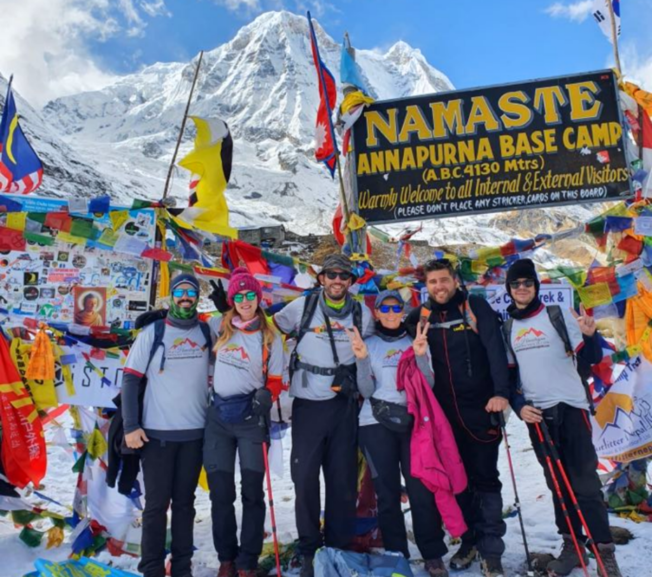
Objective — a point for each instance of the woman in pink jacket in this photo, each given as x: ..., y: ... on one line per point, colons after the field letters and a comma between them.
x: 386, y: 430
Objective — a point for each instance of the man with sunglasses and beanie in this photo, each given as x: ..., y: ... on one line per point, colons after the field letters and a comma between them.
x: 471, y: 383
x: 551, y: 389
x: 164, y: 401
x: 324, y: 410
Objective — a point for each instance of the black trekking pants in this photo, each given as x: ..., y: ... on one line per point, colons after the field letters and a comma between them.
x: 324, y: 436
x: 388, y: 453
x: 481, y: 503
x: 570, y: 429
x: 221, y: 441
x: 171, y: 472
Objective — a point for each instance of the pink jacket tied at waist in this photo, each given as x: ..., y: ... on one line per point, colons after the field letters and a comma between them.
x: 434, y: 457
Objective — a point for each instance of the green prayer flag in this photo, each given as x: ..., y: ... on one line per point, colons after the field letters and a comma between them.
x: 31, y: 537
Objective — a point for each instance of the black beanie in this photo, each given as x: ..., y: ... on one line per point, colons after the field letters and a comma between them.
x: 523, y: 268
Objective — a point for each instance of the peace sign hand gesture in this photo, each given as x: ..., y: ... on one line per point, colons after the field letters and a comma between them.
x: 357, y: 344
x: 585, y: 322
x: 420, y: 343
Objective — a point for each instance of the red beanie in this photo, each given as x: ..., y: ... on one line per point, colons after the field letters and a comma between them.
x: 243, y: 280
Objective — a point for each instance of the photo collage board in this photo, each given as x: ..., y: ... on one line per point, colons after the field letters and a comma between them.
x: 101, y: 282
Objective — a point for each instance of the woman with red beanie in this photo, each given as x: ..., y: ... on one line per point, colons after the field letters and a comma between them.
x: 246, y: 382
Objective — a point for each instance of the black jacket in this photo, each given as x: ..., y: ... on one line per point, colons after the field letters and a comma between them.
x: 470, y: 367
x: 124, y: 463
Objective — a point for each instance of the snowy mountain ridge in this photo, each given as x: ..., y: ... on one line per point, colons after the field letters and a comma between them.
x: 120, y: 139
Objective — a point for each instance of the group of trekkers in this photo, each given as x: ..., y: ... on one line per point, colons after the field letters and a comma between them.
x: 421, y: 396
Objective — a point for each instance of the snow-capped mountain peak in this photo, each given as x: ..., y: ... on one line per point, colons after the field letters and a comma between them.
x: 263, y: 84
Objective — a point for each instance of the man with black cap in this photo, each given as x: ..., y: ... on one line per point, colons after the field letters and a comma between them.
x: 471, y: 382
x: 547, y: 343
x: 324, y: 411
x: 165, y: 420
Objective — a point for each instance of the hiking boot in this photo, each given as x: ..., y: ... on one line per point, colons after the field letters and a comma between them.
x: 227, y: 569
x: 436, y: 568
x: 492, y: 567
x: 608, y: 555
x: 464, y: 557
x: 307, y: 569
x: 568, y: 559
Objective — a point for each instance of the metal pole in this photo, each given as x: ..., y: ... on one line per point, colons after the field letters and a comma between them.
x: 614, y: 37
x: 183, y: 126
x: 517, y: 500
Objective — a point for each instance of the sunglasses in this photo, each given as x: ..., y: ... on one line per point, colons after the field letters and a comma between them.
x: 332, y: 275
x: 178, y: 293
x: 250, y: 296
x: 394, y: 308
x: 527, y: 283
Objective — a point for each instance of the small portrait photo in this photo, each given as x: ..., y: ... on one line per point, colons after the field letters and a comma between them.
x: 90, y: 306
x: 46, y: 293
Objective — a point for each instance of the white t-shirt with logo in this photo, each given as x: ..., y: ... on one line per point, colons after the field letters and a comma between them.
x: 239, y: 363
x: 176, y: 399
x: 548, y: 375
x: 384, y: 356
x: 315, y: 347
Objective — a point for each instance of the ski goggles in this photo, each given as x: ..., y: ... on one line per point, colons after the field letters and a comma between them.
x: 527, y: 283
x: 178, y: 293
x: 333, y: 274
x: 394, y: 308
x: 240, y: 297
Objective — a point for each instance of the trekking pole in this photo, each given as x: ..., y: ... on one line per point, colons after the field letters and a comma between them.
x: 517, y: 501
x: 576, y: 505
x: 560, y: 496
x: 270, y: 498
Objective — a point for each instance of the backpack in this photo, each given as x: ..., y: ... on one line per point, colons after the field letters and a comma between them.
x: 557, y: 321
x: 309, y: 308
x: 331, y: 562
x: 468, y: 317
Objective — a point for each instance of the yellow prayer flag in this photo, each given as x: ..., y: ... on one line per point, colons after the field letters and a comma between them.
x: 97, y: 444
x: 55, y: 537
x: 118, y: 218
x: 595, y: 295
x: 642, y: 97
x: 16, y: 220
x: 63, y: 236
x: 356, y: 222
x: 353, y: 99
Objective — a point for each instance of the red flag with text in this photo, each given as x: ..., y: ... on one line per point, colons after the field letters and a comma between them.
x: 23, y: 444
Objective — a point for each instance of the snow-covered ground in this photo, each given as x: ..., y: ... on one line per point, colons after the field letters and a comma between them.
x: 16, y: 559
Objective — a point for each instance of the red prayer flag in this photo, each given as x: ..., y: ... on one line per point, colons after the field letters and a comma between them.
x: 12, y: 239
x: 23, y: 444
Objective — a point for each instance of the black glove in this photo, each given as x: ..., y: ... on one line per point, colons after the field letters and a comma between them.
x: 345, y: 381
x: 218, y: 296
x: 262, y: 403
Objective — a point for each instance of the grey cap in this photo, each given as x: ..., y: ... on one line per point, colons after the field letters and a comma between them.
x: 338, y: 261
x: 388, y: 294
